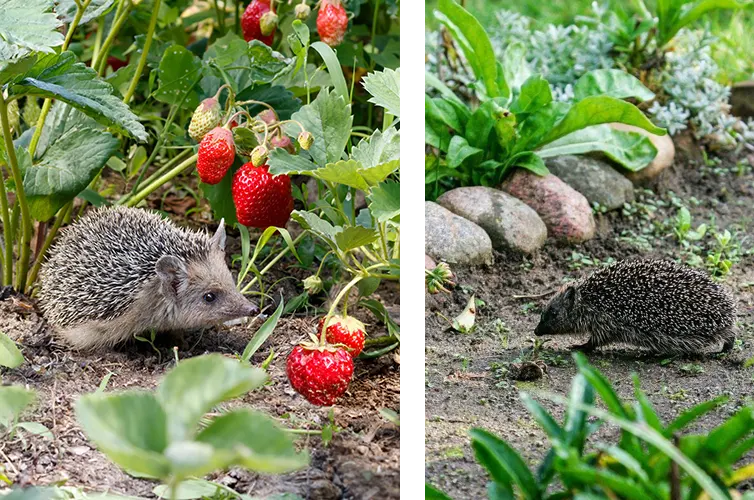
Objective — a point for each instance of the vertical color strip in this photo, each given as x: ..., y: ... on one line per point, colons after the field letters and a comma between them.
x: 412, y: 248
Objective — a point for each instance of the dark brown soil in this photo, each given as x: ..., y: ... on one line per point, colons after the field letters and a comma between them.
x: 361, y: 461
x: 465, y: 386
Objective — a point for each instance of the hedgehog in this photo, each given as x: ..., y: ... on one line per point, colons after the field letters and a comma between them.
x: 653, y: 304
x: 120, y: 272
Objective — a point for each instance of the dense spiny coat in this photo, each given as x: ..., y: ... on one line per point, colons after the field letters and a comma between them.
x: 120, y: 272
x: 655, y: 304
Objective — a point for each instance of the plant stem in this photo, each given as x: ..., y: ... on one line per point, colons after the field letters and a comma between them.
x: 335, y: 303
x: 7, y: 234
x: 160, y: 181
x: 98, y: 38
x: 144, y: 52
x: 62, y: 214
x: 120, y: 19
x: 23, y: 262
x: 273, y: 262
x: 75, y: 23
x: 167, y: 166
x: 380, y: 341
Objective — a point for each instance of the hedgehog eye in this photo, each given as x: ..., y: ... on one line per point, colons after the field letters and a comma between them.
x: 209, y: 297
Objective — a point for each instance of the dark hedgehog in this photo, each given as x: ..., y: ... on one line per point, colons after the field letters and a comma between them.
x: 655, y: 304
x: 120, y: 272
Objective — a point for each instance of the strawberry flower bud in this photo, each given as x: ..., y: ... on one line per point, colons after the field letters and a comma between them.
x: 313, y: 285
x: 302, y: 11
x: 259, y: 156
x: 268, y: 22
x: 305, y: 140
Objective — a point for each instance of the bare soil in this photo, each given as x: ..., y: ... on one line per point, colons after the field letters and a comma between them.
x: 465, y: 382
x: 361, y: 461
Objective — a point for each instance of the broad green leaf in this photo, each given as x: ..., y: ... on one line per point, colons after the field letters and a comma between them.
x: 355, y: 237
x: 318, y: 226
x: 222, y: 58
x: 264, y: 64
x: 66, y: 169
x: 129, y: 427
x: 385, y: 88
x: 531, y: 162
x: 474, y: 43
x: 10, y: 355
x: 189, y: 490
x: 256, y: 441
x: 538, y: 124
x: 611, y: 82
x: 66, y: 10
x: 432, y: 81
x: 59, y: 76
x: 9, y: 70
x: 263, y: 333
x: 192, y: 458
x: 36, y: 429
x: 460, y: 151
x: 505, y: 465
x: 385, y: 200
x: 329, y: 119
x: 632, y: 150
x: 27, y: 26
x: 622, y: 486
x: 13, y: 400
x: 196, y: 385
x: 180, y: 71
x: 515, y: 67
x: 280, y: 98
x: 596, y: 110
x: 481, y: 123
x: 432, y: 493
x: 445, y: 111
x: 380, y: 148
x: 724, y: 436
x: 674, y: 15
x: 535, y: 94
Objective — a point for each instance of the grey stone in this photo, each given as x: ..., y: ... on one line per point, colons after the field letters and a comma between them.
x: 595, y: 179
x: 509, y: 222
x: 454, y: 239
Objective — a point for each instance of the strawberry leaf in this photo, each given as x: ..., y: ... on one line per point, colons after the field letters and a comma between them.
x: 384, y: 87
x: 27, y: 26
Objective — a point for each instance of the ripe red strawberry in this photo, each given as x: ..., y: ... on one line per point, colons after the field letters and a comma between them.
x: 348, y: 331
x: 250, y: 22
x: 332, y: 22
x: 261, y: 199
x: 217, y: 151
x: 320, y: 374
x: 206, y: 117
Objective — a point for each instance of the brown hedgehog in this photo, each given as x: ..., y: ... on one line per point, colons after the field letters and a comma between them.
x: 656, y: 304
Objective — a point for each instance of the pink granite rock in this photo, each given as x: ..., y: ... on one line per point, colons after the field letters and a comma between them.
x: 565, y: 211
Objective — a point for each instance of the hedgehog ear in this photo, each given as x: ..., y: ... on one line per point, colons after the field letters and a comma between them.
x: 571, y: 295
x: 218, y: 240
x: 172, y: 273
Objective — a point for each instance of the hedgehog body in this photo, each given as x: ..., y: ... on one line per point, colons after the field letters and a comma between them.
x: 120, y: 272
x: 655, y: 304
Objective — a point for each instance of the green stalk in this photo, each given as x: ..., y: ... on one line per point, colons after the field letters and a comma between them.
x: 99, y: 65
x: 23, y: 262
x: 62, y: 213
x: 167, y: 166
x: 98, y: 38
x: 7, y: 234
x: 334, y: 305
x: 48, y: 102
x: 274, y: 261
x: 160, y: 181
x: 144, y: 52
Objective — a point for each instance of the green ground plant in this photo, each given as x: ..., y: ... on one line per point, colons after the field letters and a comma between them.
x: 650, y: 459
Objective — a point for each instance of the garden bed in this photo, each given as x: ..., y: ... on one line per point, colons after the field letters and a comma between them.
x: 465, y: 382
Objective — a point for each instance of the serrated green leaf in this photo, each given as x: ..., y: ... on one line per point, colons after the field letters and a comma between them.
x: 282, y: 162
x: 265, y: 64
x: 329, y: 120
x: 380, y: 148
x: 27, y: 26
x: 116, y: 423
x: 280, y: 98
x: 632, y: 150
x: 315, y: 224
x: 36, y: 429
x: 10, y: 355
x: 180, y: 71
x: 385, y: 201
x: 66, y: 169
x: 355, y: 237
x: 62, y: 118
x: 59, y: 76
x: 66, y: 10
x: 196, y: 385
x: 256, y: 442
x: 385, y: 88
x: 13, y: 400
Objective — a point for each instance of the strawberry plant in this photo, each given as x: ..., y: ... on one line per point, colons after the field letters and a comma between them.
x: 517, y: 122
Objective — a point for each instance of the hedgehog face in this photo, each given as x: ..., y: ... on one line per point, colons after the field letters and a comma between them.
x: 557, y: 318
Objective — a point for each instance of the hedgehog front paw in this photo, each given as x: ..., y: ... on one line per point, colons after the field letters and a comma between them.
x: 586, y: 347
